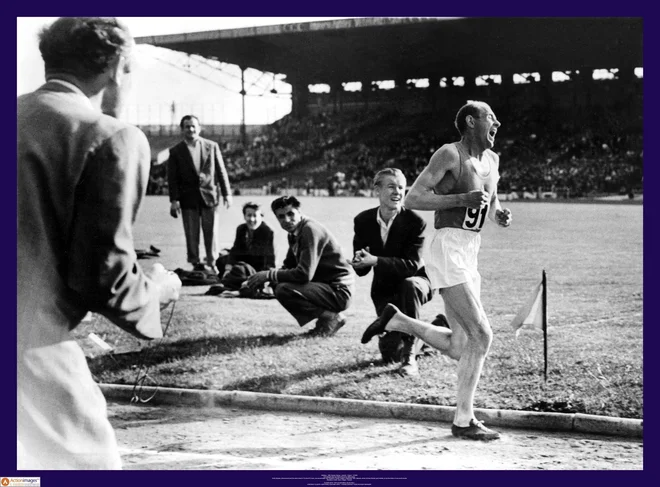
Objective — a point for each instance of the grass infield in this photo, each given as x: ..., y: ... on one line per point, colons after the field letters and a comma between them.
x: 592, y: 254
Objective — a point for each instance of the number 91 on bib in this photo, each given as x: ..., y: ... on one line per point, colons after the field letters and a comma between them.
x: 475, y: 218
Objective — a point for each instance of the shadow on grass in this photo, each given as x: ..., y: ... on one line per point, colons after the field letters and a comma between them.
x: 160, y: 353
x: 164, y: 352
x: 277, y: 383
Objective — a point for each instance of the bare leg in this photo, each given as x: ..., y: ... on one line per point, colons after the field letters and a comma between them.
x: 468, y: 341
x: 470, y: 315
x: 458, y: 337
x: 438, y: 337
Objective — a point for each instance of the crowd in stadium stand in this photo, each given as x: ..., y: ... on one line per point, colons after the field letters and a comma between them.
x: 539, y: 151
x: 560, y: 159
x: 280, y: 146
x: 290, y: 141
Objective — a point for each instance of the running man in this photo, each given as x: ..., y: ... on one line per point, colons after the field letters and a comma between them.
x: 460, y: 185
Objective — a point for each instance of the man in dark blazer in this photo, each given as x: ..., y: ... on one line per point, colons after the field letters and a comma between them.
x: 197, y: 180
x: 389, y: 239
x: 253, y: 251
x: 82, y: 175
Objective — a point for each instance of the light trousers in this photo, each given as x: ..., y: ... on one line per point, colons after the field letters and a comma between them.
x: 203, y: 218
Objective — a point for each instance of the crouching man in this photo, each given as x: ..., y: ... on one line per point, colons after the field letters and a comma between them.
x: 316, y: 281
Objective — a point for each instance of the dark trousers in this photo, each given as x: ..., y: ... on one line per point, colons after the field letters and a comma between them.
x: 307, y: 301
x: 413, y: 293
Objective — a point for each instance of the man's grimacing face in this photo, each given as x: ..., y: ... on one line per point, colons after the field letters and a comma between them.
x: 487, y: 125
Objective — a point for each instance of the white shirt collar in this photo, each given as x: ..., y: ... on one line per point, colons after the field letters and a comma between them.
x: 385, y: 227
x: 380, y: 220
x: 73, y: 88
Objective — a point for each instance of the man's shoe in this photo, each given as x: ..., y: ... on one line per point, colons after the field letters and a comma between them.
x: 328, y: 324
x: 408, y: 356
x: 378, y: 326
x: 335, y: 324
x: 216, y: 290
x: 391, y: 346
x: 476, y: 431
x: 199, y: 267
x: 409, y: 366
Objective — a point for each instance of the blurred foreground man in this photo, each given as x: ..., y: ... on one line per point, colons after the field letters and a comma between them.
x: 82, y: 175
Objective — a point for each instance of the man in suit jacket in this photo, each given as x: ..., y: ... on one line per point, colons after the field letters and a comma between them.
x: 82, y: 175
x: 389, y: 239
x: 197, y: 179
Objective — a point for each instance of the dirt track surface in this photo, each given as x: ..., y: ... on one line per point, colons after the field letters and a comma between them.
x: 177, y: 438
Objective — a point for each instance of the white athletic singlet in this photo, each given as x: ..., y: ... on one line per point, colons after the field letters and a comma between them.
x: 469, y: 179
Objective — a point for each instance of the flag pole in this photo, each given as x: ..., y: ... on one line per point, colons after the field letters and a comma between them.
x: 544, y: 303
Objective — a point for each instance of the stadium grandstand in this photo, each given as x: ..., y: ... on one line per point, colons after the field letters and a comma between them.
x: 373, y: 92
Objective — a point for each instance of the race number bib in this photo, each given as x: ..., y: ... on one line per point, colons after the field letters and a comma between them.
x: 475, y: 218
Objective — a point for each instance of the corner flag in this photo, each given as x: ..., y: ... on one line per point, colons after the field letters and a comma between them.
x: 534, y: 312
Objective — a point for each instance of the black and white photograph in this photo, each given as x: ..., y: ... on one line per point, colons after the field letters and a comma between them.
x: 329, y: 250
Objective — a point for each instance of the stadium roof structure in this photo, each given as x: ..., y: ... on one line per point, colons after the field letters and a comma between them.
x: 381, y: 48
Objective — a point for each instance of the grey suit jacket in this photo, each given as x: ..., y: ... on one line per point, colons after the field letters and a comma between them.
x: 81, y: 178
x: 192, y: 189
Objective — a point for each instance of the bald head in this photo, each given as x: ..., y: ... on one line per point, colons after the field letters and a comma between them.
x: 473, y: 108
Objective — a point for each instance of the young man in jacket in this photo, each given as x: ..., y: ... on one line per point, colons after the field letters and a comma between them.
x: 389, y: 239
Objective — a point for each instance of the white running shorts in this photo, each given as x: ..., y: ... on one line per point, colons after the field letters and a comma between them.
x: 452, y: 258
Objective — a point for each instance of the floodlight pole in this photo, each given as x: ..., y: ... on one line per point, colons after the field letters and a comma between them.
x: 243, y: 93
